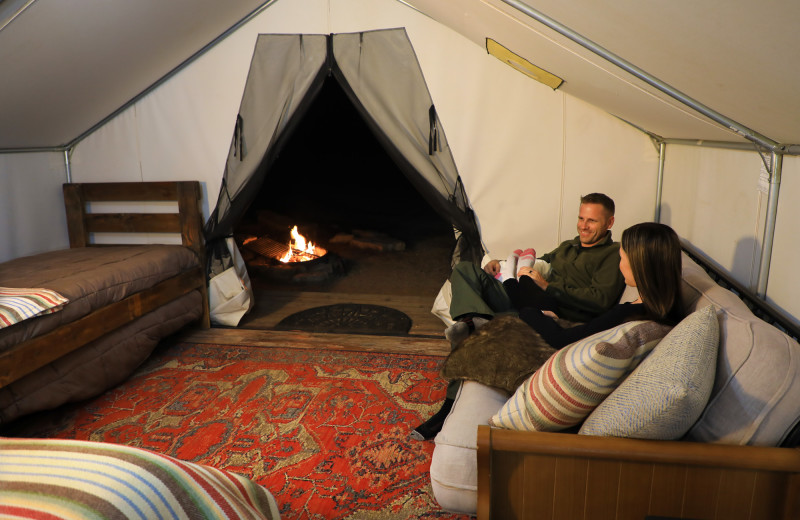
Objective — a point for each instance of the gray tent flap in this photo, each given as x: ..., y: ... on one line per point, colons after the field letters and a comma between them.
x: 380, y: 71
x: 283, y: 69
x: 395, y: 96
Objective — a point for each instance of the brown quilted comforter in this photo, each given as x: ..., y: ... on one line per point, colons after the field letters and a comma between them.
x: 92, y: 278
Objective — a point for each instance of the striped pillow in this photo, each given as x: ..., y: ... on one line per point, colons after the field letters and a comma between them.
x: 20, y: 304
x: 50, y: 478
x: 578, y: 377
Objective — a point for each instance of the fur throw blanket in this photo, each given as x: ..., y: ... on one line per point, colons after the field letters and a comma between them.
x: 502, y: 354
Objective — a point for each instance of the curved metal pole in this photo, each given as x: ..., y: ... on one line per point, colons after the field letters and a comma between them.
x: 769, y: 227
x: 704, y: 143
x: 67, y: 165
x: 742, y: 130
x: 662, y: 150
x: 10, y: 10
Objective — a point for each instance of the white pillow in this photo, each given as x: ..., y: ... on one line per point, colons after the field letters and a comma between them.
x: 668, y: 391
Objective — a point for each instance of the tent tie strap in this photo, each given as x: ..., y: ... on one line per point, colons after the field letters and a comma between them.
x: 434, y: 144
x: 238, y: 138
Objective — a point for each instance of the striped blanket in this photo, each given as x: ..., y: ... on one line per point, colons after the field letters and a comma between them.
x: 48, y: 478
x: 20, y: 304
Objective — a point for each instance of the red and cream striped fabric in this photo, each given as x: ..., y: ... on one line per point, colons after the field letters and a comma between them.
x: 20, y: 304
x: 49, y: 478
x: 576, y: 379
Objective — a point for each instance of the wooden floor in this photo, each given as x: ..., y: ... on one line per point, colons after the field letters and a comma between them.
x: 426, y: 335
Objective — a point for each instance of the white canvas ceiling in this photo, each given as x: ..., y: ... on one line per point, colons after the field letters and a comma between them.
x: 67, y: 66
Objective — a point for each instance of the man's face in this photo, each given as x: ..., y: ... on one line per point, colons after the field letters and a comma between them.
x: 593, y: 224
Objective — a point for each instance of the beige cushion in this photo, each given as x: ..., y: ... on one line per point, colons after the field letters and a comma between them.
x: 667, y: 392
x: 454, y: 465
x: 755, y: 395
x: 578, y: 377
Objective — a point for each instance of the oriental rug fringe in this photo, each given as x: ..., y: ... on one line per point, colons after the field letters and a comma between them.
x: 326, y: 432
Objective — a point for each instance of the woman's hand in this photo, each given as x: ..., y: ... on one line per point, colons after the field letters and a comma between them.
x: 535, y: 275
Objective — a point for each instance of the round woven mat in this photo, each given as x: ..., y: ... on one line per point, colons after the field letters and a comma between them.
x: 348, y: 318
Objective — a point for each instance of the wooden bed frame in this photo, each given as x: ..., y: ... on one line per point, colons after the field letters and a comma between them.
x: 26, y: 357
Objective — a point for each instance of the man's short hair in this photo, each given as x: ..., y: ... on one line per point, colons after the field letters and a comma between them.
x: 599, y: 198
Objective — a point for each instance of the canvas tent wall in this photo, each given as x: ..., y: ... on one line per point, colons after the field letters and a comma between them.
x: 524, y: 152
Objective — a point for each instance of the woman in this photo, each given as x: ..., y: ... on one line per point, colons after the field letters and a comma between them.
x: 650, y: 260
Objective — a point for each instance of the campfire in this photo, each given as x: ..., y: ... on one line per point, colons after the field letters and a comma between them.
x: 300, y: 250
x: 298, y: 261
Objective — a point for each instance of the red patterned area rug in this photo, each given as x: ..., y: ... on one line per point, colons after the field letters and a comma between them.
x: 325, y: 431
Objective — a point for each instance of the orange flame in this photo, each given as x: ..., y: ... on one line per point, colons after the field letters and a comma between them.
x: 299, y: 250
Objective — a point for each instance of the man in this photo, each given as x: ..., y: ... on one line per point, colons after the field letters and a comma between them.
x: 583, y: 280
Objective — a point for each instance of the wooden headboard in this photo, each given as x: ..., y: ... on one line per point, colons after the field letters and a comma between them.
x: 188, y: 221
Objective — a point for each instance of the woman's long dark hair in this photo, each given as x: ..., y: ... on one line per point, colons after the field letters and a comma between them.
x: 654, y: 253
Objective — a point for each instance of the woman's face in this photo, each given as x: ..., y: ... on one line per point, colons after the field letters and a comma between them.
x: 625, y: 268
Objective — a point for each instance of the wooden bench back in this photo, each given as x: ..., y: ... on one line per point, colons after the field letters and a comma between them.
x: 532, y: 475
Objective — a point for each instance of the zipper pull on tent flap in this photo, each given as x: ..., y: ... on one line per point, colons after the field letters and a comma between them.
x: 434, y: 144
x: 238, y: 138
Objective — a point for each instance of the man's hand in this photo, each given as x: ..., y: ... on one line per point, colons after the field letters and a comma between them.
x: 535, y: 275
x: 492, y: 267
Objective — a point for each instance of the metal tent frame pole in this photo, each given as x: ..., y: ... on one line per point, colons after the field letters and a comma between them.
x: 703, y: 143
x: 769, y: 227
x: 662, y: 150
x: 775, y: 168
x: 68, y: 164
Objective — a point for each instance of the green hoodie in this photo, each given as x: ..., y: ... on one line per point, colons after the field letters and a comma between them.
x: 586, y: 281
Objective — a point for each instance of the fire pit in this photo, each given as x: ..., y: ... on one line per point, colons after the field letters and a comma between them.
x: 299, y: 261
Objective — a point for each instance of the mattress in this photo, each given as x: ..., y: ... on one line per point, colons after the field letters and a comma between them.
x: 98, y: 365
x: 90, y: 277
